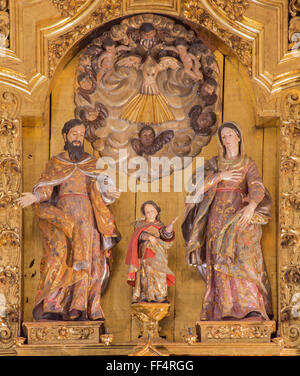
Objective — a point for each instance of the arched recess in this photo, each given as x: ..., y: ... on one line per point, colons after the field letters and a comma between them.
x: 239, y: 104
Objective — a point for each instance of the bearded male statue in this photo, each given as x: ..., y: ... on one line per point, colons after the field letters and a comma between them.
x: 78, y: 229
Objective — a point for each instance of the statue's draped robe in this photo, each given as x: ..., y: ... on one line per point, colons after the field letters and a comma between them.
x: 77, y: 227
x: 148, y: 270
x: 236, y: 279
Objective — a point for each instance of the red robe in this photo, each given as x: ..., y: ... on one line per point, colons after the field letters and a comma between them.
x: 153, y: 261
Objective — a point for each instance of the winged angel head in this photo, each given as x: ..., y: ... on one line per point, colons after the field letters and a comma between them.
x: 148, y: 75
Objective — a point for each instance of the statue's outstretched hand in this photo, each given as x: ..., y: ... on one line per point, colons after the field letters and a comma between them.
x: 247, y: 214
x: 113, y: 194
x: 26, y: 199
x: 169, y: 228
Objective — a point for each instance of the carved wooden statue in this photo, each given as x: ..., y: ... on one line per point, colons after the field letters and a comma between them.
x: 148, y: 71
x: 223, y: 233
x: 147, y: 257
x: 78, y: 232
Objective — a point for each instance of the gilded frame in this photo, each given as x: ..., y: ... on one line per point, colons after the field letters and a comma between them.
x: 25, y: 84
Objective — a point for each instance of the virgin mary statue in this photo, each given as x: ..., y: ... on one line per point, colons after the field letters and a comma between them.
x: 223, y: 233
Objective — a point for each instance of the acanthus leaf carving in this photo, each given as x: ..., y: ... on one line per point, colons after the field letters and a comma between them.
x: 4, y: 24
x: 68, y: 8
x: 289, y: 219
x: 193, y: 11
x: 294, y: 7
x: 234, y: 9
x: 58, y: 47
x: 10, y: 219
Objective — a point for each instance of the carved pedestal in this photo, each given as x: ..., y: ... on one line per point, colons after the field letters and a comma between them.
x: 235, y: 331
x: 63, y: 332
x: 149, y: 315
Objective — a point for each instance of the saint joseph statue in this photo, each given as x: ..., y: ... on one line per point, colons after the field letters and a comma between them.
x: 78, y: 232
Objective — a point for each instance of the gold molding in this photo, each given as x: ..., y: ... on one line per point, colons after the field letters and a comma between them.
x: 56, y: 36
x: 57, y: 47
x: 241, y: 46
x: 239, y: 28
x: 235, y: 331
x: 63, y: 332
x: 234, y: 9
x: 69, y: 8
x: 4, y: 25
x: 289, y: 220
x: 10, y: 219
x: 161, y: 6
x: 59, y: 43
x: 294, y: 7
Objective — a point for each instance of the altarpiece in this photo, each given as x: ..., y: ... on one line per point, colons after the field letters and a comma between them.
x: 248, y: 56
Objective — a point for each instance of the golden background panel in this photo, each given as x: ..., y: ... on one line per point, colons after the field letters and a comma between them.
x: 135, y: 6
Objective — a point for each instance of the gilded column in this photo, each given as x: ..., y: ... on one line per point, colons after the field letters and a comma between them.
x: 289, y: 221
x: 10, y: 220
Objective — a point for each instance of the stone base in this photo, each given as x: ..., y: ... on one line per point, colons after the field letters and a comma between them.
x: 63, y: 332
x: 235, y: 331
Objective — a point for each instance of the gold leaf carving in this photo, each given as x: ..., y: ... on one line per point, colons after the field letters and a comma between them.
x: 4, y: 24
x: 68, y: 8
x: 234, y: 9
x: 294, y: 7
x: 9, y: 105
x: 10, y: 218
x: 58, y: 47
x: 289, y: 218
x: 60, y: 334
x: 237, y: 331
x: 193, y: 11
x: 39, y: 333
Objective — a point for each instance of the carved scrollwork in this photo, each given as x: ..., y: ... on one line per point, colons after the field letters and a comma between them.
x: 4, y: 24
x: 237, y: 331
x: 9, y: 305
x: 291, y: 334
x: 294, y: 335
x: 294, y: 7
x: 289, y: 217
x: 61, y: 334
x: 294, y: 24
x: 10, y: 174
x: 68, y: 8
x: 289, y: 238
x: 193, y: 11
x: 5, y: 332
x: 292, y: 107
x: 288, y: 164
x: 221, y: 332
x: 292, y: 275
x: 234, y: 9
x: 9, y: 106
x: 292, y: 201
x: 10, y: 218
x: 58, y: 47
